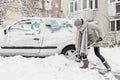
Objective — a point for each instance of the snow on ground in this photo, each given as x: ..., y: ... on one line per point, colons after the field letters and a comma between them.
x: 56, y: 67
x: 112, y: 56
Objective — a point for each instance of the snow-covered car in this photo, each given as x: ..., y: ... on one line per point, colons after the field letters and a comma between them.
x: 38, y: 37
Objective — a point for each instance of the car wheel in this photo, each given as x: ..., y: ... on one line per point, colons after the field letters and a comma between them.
x: 68, y: 51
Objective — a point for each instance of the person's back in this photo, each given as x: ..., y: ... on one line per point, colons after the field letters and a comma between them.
x: 93, y: 31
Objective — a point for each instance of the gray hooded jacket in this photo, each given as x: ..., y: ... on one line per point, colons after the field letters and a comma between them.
x: 87, y: 34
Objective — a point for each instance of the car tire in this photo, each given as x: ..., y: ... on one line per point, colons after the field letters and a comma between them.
x: 68, y: 51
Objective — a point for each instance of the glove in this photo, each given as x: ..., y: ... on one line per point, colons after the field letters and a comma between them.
x: 77, y: 51
x: 99, y: 39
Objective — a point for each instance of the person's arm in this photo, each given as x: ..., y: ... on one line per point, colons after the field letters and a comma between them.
x: 98, y: 30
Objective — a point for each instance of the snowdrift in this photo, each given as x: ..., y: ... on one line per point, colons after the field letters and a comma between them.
x: 50, y: 68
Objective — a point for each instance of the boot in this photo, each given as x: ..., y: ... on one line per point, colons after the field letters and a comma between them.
x: 107, y: 66
x: 85, y: 63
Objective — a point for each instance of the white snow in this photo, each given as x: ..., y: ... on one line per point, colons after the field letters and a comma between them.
x: 56, y: 67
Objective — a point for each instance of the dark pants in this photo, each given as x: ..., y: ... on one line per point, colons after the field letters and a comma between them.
x: 97, y: 53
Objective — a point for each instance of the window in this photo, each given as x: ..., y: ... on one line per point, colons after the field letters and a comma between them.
x: 53, y: 26
x: 76, y: 6
x: 84, y: 4
x: 112, y: 0
x: 116, y: 1
x: 117, y: 7
x: 79, y: 4
x: 118, y: 25
x: 71, y: 7
x: 96, y: 3
x: 26, y: 25
x: 91, y: 4
x: 115, y: 25
x: 112, y: 25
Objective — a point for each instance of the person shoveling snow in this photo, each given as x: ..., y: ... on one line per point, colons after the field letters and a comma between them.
x: 87, y: 34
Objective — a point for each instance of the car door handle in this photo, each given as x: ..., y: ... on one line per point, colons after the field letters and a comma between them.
x: 29, y: 34
x: 35, y: 38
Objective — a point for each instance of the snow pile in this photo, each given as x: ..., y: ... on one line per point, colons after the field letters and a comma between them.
x: 50, y: 68
x: 56, y: 67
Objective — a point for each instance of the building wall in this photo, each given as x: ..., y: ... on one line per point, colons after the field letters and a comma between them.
x: 98, y: 15
x: 114, y: 15
x: 56, y: 8
x: 101, y: 15
x: 65, y: 7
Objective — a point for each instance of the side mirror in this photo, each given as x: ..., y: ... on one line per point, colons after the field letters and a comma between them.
x: 5, y: 31
x: 48, y: 25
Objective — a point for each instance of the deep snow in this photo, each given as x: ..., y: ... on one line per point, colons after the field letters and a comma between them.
x: 57, y: 67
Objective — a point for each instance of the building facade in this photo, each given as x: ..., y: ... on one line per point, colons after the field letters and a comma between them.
x: 105, y: 13
x: 65, y: 7
x: 114, y: 16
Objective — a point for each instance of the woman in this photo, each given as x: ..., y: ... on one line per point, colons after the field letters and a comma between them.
x: 87, y: 34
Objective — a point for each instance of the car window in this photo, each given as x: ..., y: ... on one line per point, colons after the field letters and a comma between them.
x: 57, y: 25
x: 26, y: 25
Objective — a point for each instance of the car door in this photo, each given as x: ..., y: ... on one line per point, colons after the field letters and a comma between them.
x: 24, y: 37
x: 56, y: 34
